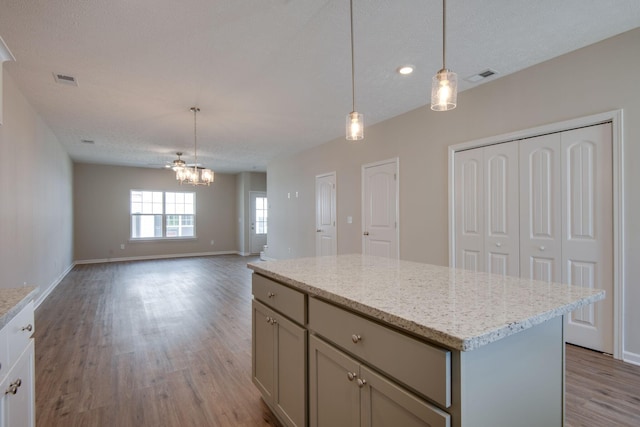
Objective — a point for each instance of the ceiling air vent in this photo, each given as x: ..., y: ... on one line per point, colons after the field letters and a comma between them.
x: 481, y: 76
x: 65, y: 79
x: 87, y: 141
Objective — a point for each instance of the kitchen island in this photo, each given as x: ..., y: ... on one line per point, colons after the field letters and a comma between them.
x: 365, y: 340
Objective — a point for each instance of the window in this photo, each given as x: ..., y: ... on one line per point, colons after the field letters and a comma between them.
x: 157, y: 214
x: 261, y: 215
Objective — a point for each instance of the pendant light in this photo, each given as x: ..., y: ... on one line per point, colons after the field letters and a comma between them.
x: 444, y: 85
x: 355, y: 120
x: 196, y: 175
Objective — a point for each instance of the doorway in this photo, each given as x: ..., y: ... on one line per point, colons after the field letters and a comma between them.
x: 259, y: 215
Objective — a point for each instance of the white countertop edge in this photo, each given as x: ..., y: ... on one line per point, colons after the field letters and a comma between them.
x: 439, y: 337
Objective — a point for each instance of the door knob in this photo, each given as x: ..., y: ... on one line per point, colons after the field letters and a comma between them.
x: 318, y: 231
x: 366, y: 233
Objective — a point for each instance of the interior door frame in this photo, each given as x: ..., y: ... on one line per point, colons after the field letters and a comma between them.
x: 617, y: 139
x: 396, y: 162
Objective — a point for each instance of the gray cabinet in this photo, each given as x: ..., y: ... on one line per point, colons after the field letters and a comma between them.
x: 17, y: 380
x: 345, y: 392
x: 279, y: 351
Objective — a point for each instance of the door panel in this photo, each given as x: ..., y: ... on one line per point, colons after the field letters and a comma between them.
x: 326, y: 231
x: 469, y: 223
x: 540, y: 208
x: 379, y: 210
x: 291, y: 355
x: 502, y: 222
x: 587, y: 240
x: 259, y: 209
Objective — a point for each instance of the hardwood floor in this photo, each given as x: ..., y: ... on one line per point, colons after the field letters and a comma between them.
x: 168, y: 343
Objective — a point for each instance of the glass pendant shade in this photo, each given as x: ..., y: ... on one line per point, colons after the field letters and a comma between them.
x: 207, y: 176
x: 444, y: 90
x: 355, y: 126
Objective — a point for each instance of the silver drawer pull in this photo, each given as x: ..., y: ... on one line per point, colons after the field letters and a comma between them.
x: 13, y: 387
x: 270, y: 295
x: 268, y: 319
x: 351, y: 376
x: 361, y: 382
x: 273, y: 321
x: 356, y: 338
x: 29, y: 327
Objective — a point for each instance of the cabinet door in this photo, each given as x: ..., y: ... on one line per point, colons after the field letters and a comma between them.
x: 334, y: 396
x: 290, y: 395
x: 18, y: 409
x: 540, y: 208
x: 263, y: 351
x: 469, y: 202
x: 386, y: 404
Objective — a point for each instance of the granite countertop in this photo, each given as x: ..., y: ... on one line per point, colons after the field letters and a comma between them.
x: 12, y: 300
x: 456, y: 308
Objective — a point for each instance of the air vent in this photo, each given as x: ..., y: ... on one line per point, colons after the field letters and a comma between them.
x: 87, y: 141
x: 65, y: 79
x: 481, y: 76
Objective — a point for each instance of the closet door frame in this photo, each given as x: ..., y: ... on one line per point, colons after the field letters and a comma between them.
x: 616, y: 118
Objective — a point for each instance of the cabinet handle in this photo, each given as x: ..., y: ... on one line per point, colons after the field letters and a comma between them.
x: 273, y: 321
x: 29, y: 327
x: 356, y: 338
x: 498, y: 244
x: 270, y: 295
x: 361, y: 382
x: 366, y: 233
x: 268, y: 319
x: 542, y: 248
x: 351, y: 376
x: 13, y: 387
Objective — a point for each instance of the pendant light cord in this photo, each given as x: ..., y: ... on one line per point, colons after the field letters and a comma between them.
x: 353, y: 79
x: 444, y: 26
x: 195, y: 137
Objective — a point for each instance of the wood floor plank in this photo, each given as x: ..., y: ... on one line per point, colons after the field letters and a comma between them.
x: 168, y: 343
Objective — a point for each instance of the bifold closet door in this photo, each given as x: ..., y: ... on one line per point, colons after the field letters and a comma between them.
x: 587, y: 231
x: 469, y: 217
x: 486, y: 191
x: 540, y: 208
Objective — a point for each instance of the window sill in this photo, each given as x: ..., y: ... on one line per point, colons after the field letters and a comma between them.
x: 163, y: 239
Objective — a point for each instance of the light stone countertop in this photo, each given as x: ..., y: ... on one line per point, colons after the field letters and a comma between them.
x: 456, y: 308
x: 12, y: 300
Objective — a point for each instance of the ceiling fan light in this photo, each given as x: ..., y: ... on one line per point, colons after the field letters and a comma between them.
x: 207, y: 176
x: 444, y: 90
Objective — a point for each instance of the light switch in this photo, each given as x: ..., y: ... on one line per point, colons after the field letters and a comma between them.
x: 349, y: 220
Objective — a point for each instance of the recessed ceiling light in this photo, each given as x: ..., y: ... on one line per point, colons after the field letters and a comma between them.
x: 405, y: 69
x: 87, y: 141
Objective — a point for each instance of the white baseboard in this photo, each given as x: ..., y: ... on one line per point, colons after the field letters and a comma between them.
x: 632, y: 358
x: 268, y: 258
x: 148, y: 257
x: 45, y: 293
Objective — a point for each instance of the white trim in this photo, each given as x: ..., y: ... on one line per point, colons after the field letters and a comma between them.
x: 616, y: 118
x: 148, y: 257
x: 633, y: 358
x: 396, y: 161
x: 45, y: 293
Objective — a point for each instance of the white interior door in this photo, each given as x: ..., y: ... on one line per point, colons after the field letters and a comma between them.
x: 326, y: 231
x: 501, y: 207
x: 380, y: 235
x: 587, y: 237
x: 469, y: 218
x: 259, y: 214
x: 540, y: 208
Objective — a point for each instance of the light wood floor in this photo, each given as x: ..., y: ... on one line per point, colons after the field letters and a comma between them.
x: 168, y: 343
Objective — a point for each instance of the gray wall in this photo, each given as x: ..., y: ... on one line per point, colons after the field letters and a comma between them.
x: 101, y: 211
x: 35, y: 192
x: 598, y: 78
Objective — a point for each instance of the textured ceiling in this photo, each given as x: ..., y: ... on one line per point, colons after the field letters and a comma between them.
x: 271, y: 76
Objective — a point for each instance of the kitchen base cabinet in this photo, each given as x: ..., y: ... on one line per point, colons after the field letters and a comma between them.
x: 344, y: 392
x: 279, y: 364
x: 18, y: 396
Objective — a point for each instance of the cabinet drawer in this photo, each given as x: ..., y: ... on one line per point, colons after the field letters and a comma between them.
x: 279, y: 297
x: 19, y: 332
x: 421, y: 366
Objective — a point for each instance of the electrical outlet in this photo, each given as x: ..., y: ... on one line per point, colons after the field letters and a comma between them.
x: 122, y: 246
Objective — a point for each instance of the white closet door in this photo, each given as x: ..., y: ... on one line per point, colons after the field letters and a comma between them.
x: 469, y: 201
x: 587, y: 224
x: 540, y: 208
x: 501, y: 242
